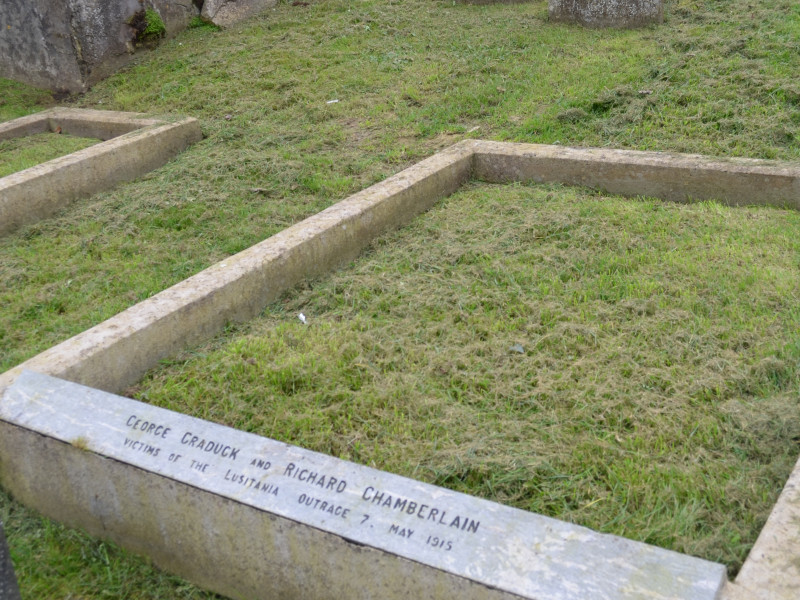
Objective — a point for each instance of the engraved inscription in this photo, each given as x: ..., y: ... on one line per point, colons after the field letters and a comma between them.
x: 141, y: 447
x: 461, y: 535
x: 321, y: 480
x: 421, y: 510
x: 155, y: 429
x: 404, y: 532
x: 329, y: 507
x: 251, y: 482
x: 211, y: 446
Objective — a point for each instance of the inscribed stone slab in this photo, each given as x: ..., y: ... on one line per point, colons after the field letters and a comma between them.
x: 500, y: 547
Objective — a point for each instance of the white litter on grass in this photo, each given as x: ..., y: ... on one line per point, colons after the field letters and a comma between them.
x: 302, y: 318
x: 332, y: 101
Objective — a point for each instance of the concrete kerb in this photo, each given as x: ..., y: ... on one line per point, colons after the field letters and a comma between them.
x: 250, y: 525
x: 116, y: 352
x: 259, y: 540
x: 134, y: 144
x: 83, y: 122
x: 675, y: 177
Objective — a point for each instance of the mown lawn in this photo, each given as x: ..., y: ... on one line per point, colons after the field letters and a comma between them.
x: 21, y: 153
x: 629, y: 365
x: 412, y: 77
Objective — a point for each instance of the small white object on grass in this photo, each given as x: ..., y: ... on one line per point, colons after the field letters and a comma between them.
x: 302, y: 318
x: 332, y: 101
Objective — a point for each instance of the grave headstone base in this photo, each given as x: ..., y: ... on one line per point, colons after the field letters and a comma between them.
x: 607, y: 13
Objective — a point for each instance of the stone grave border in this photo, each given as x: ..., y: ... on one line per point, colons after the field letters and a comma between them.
x: 250, y: 517
x: 132, y: 145
x: 115, y: 353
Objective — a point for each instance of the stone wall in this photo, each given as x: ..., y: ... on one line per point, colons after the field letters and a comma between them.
x: 68, y: 45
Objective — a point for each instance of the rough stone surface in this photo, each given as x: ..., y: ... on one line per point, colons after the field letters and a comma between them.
x: 69, y: 45
x: 9, y: 590
x: 607, y: 13
x: 36, y: 45
x: 224, y: 13
x: 425, y: 537
x: 82, y: 122
x: 674, y: 177
x: 176, y: 14
x: 141, y: 145
x: 772, y: 569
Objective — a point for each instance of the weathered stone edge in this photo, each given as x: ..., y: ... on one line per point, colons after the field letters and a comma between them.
x: 772, y: 569
x: 145, y: 144
x: 675, y: 177
x: 312, y: 563
x: 27, y: 125
x: 84, y: 122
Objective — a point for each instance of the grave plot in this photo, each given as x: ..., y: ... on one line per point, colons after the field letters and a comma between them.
x: 628, y: 365
x: 22, y: 153
x: 58, y: 278
x: 116, y: 352
x: 134, y: 145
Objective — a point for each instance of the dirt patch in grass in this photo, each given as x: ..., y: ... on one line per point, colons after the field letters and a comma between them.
x: 21, y: 153
x: 631, y: 366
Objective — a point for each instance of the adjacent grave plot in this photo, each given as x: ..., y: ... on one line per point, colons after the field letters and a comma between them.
x: 22, y: 153
x: 134, y: 144
x: 115, y: 353
x: 628, y: 365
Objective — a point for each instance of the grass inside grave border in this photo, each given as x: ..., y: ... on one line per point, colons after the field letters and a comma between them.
x: 336, y: 387
x: 18, y: 154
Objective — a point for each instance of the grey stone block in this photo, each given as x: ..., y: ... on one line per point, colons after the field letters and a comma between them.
x: 224, y: 13
x: 607, y: 13
x: 67, y: 46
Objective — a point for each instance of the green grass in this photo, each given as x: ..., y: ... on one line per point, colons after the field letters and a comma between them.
x: 21, y: 153
x: 411, y: 77
x: 54, y: 562
x: 18, y: 100
x: 631, y: 366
